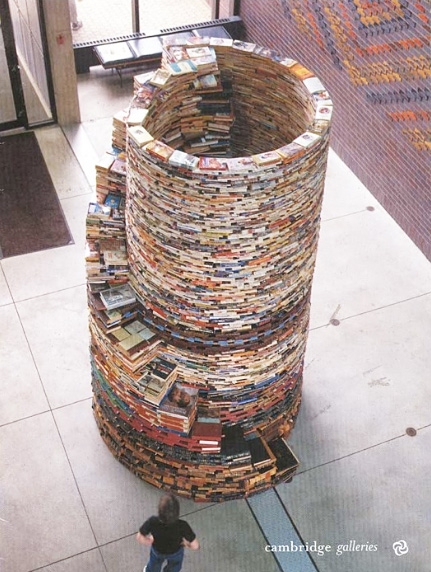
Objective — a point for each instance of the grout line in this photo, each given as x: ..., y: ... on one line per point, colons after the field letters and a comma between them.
x: 50, y: 293
x: 33, y: 358
x: 83, y: 150
x: 71, y: 197
x: 7, y: 283
x: 365, y: 312
x: 26, y: 417
x: 329, y: 219
x: 78, y: 489
x: 389, y: 305
x: 73, y: 402
x: 359, y: 451
x: 44, y: 567
x: 50, y: 410
x: 293, y: 525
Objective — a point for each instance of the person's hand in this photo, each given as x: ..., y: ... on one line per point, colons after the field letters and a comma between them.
x: 193, y: 545
x: 146, y: 540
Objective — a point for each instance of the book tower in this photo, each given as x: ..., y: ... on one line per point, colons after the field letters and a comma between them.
x: 200, y: 256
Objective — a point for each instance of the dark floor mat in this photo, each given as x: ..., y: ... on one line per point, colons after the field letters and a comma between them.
x: 31, y: 217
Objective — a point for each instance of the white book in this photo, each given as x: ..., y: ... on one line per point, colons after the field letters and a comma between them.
x: 306, y: 139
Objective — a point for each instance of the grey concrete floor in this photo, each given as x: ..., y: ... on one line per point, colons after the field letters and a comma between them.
x: 67, y: 505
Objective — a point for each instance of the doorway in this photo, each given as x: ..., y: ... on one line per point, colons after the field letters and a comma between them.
x: 25, y: 90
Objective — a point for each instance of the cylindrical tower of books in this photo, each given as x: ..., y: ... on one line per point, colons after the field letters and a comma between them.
x: 197, y: 383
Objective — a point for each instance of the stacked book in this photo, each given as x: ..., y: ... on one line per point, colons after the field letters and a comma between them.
x: 106, y: 251
x: 106, y: 261
x: 110, y: 320
x: 143, y: 90
x: 205, y: 111
x: 123, y: 350
x: 157, y: 378
x: 207, y: 434
x: 239, y: 469
x: 117, y: 296
x: 197, y: 376
x: 177, y: 411
x: 134, y: 115
x: 106, y: 221
x: 111, y: 178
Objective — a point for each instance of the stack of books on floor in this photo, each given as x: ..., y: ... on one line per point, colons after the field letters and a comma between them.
x: 133, y: 116
x: 197, y: 358
x: 105, y: 220
x: 244, y: 465
x: 111, y: 178
x: 106, y: 252
x: 106, y: 261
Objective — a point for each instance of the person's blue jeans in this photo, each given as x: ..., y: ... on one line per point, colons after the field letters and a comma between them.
x: 173, y: 561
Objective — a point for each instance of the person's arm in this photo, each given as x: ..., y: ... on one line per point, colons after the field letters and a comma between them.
x: 193, y: 545
x: 147, y: 540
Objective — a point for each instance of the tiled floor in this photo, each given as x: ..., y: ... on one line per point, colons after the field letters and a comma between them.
x: 67, y: 505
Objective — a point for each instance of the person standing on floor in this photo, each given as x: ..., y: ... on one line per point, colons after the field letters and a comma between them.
x: 167, y: 535
x: 74, y: 22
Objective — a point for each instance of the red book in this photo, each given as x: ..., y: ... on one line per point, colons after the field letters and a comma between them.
x: 207, y: 433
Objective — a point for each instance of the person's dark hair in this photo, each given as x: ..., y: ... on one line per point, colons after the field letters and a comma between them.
x: 169, y: 509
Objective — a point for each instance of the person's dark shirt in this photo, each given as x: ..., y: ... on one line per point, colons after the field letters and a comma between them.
x: 167, y: 537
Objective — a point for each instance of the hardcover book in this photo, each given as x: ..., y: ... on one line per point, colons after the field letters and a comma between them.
x: 207, y: 433
x: 180, y: 401
x: 118, y: 296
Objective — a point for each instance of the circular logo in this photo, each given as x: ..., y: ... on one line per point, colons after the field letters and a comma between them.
x: 400, y: 547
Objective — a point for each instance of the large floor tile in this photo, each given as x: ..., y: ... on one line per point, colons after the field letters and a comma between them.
x: 57, y: 330
x: 99, y: 132
x: 116, y: 501
x: 83, y: 150
x: 90, y: 561
x: 101, y: 93
x: 46, y: 271
x: 231, y: 540
x: 364, y: 262
x: 66, y: 173
x: 365, y: 381
x: 45, y: 520
x: 75, y: 210
x: 5, y: 295
x: 22, y: 393
x: 125, y: 555
x: 378, y: 496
